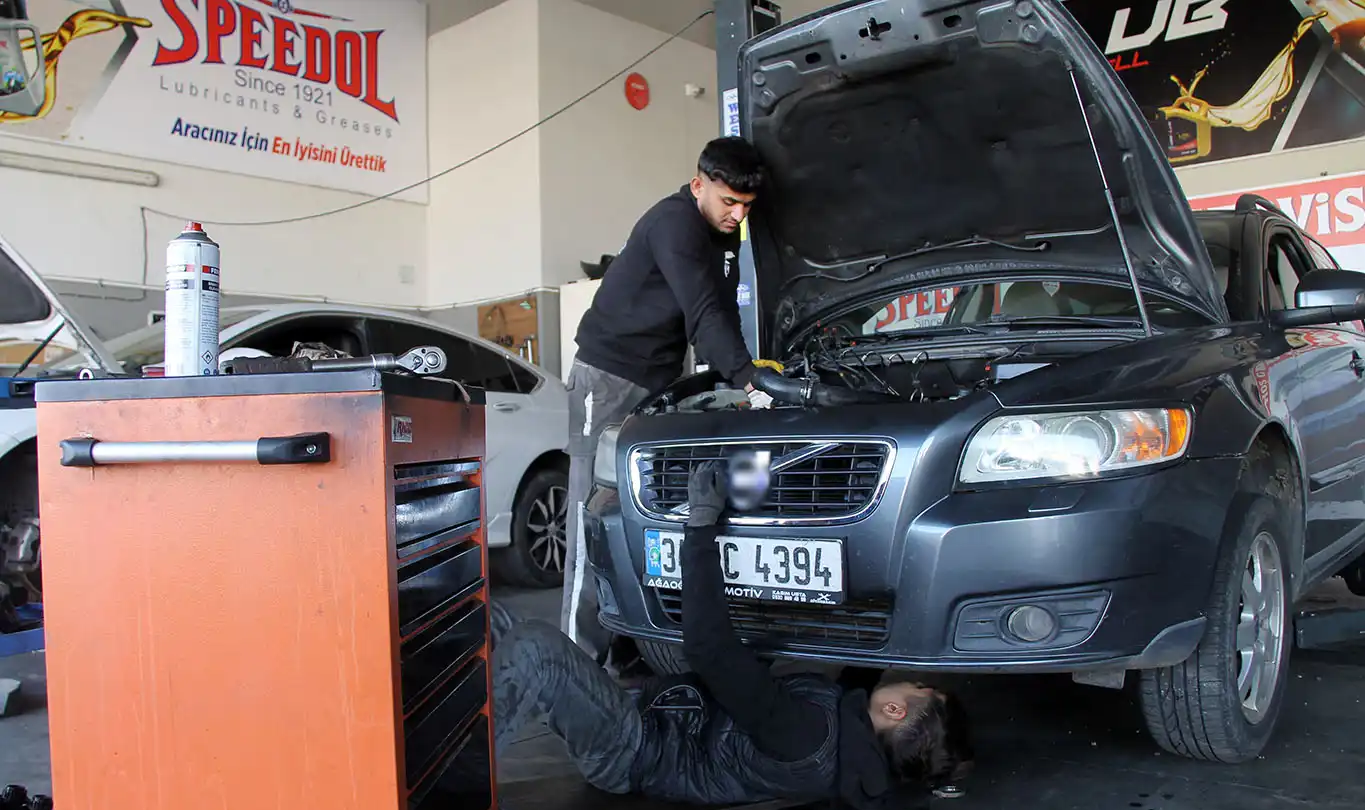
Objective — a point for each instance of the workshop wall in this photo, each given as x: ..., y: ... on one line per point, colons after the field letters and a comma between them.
x: 1269, y: 170
x: 484, y: 220
x: 87, y: 235
x: 604, y: 162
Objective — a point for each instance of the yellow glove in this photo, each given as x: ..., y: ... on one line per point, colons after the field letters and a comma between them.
x: 772, y: 364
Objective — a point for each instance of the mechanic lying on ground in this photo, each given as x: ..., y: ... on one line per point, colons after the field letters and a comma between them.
x: 731, y: 732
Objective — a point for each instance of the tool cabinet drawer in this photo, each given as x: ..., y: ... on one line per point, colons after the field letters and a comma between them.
x: 432, y: 654
x: 429, y: 731
x: 432, y: 499
x: 464, y: 777
x: 432, y: 583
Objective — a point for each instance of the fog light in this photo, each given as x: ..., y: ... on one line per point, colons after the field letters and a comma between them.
x: 1031, y: 624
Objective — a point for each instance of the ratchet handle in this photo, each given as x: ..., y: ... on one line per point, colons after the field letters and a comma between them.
x: 304, y: 448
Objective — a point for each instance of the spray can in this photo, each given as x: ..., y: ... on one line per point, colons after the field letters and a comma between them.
x: 192, y: 304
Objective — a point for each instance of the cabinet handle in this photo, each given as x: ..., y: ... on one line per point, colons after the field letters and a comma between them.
x: 304, y: 448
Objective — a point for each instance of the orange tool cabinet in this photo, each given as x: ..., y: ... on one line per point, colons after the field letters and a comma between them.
x: 266, y: 591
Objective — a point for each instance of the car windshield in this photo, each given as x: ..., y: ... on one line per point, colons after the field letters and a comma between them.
x: 1002, y: 303
x: 147, y: 346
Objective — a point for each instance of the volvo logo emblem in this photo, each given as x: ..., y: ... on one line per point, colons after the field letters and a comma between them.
x: 750, y: 476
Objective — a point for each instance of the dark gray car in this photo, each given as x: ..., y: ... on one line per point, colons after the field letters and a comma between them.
x: 1035, y: 415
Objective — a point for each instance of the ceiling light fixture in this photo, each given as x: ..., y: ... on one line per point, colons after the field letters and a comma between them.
x: 75, y: 168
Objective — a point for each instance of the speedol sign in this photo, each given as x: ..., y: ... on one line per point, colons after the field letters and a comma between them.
x: 1332, y: 209
x: 328, y: 93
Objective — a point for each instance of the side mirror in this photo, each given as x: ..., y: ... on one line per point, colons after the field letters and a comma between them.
x: 1324, y: 297
x: 23, y: 71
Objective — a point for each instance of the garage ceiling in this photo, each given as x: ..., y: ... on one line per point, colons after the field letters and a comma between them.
x: 663, y: 15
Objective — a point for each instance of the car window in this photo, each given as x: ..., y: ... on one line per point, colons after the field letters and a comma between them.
x: 1322, y: 259
x: 465, y: 361
x: 1284, y: 267
x: 527, y: 380
x: 278, y: 338
x: 983, y: 303
x: 1217, y: 233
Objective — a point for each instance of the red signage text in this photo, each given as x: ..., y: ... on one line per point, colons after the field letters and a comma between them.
x: 348, y: 60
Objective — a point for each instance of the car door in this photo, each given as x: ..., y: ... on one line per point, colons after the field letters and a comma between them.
x: 1329, y: 403
x: 517, y: 427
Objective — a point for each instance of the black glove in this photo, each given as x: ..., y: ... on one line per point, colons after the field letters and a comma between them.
x: 706, y: 494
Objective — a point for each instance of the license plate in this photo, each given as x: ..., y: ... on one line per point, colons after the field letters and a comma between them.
x: 772, y: 569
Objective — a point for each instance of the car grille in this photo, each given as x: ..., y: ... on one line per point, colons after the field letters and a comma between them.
x: 850, y: 625
x: 835, y: 480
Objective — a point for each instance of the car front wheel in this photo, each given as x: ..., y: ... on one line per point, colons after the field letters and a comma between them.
x: 535, y: 559
x: 662, y: 657
x: 1221, y: 704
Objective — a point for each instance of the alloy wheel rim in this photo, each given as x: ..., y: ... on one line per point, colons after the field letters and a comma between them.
x: 548, y: 524
x: 1260, y: 628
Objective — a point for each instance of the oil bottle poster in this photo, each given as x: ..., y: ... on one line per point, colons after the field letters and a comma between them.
x: 1222, y: 79
x: 328, y: 93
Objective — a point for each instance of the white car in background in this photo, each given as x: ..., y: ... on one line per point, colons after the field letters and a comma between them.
x: 527, y: 416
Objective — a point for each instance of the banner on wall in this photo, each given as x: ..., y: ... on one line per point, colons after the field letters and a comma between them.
x: 328, y: 93
x: 1220, y: 79
x: 1332, y: 209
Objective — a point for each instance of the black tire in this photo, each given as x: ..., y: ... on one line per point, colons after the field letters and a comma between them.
x: 662, y: 657
x: 18, y: 502
x: 535, y: 559
x: 1196, y: 708
x: 1354, y: 576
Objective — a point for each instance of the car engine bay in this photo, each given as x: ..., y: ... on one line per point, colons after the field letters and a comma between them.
x: 826, y: 375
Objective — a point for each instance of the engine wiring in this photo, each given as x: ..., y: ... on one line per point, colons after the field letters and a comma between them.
x: 835, y: 350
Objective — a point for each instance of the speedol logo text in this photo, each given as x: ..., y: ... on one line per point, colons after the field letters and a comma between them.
x: 293, y: 62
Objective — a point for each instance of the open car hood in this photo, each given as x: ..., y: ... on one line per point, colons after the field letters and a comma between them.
x: 892, y: 125
x: 30, y: 312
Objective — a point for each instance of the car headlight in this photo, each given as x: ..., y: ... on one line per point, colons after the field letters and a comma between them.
x: 604, y: 465
x: 1079, y: 444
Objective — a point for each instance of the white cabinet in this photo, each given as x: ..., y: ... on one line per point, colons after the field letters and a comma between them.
x: 574, y: 300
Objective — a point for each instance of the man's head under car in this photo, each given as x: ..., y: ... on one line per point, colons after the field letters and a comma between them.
x: 749, y: 478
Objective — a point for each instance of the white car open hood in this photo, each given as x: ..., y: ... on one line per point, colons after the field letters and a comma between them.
x: 30, y: 311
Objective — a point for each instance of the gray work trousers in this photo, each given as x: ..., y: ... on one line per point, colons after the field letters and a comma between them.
x: 596, y: 399
x: 539, y: 673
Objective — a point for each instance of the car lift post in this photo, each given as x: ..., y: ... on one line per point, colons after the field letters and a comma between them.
x: 737, y: 21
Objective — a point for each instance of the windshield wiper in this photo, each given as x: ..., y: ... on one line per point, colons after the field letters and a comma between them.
x: 1069, y: 320
x: 39, y: 349
x: 930, y: 331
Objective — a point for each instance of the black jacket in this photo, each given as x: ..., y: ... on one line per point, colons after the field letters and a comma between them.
x: 674, y: 283
x: 730, y: 732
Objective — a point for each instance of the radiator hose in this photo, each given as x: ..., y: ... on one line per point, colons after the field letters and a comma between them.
x: 812, y: 392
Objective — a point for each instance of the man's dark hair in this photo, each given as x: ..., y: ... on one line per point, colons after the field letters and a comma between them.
x: 932, y: 748
x: 734, y: 162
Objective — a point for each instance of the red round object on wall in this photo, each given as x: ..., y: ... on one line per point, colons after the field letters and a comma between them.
x: 637, y: 91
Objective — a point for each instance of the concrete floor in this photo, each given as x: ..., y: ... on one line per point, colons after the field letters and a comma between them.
x: 1044, y: 743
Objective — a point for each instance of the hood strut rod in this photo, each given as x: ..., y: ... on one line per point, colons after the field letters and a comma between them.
x: 1113, y: 207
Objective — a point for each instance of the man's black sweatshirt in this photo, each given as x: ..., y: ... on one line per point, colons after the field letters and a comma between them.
x: 674, y: 283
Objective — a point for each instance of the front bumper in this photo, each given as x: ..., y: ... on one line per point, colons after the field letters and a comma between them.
x: 1125, y: 565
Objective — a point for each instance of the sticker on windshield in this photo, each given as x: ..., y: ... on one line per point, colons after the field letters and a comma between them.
x: 1052, y: 287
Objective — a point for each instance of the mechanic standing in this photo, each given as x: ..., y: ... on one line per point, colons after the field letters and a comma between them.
x: 674, y: 284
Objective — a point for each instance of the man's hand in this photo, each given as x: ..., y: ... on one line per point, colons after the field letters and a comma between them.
x: 706, y: 494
